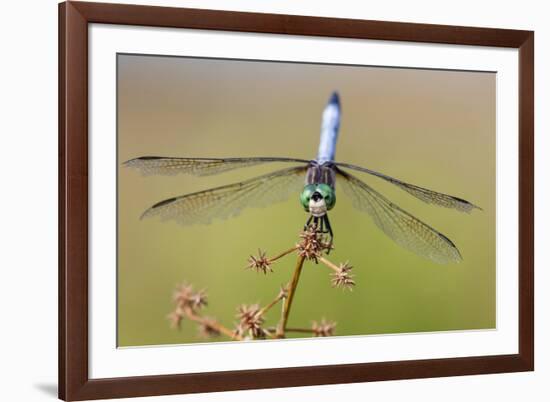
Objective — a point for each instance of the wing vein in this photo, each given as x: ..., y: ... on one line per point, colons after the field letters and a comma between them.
x: 229, y: 200
x: 169, y: 166
x: 421, y: 193
x: 399, y: 225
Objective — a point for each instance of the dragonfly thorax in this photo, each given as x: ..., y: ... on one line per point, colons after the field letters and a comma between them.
x: 318, y: 198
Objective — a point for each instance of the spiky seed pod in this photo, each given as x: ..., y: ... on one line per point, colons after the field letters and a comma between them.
x: 343, y: 277
x: 251, y: 320
x: 311, y: 246
x: 260, y: 263
x: 323, y: 328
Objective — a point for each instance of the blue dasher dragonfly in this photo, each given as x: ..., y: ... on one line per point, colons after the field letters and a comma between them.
x: 317, y: 197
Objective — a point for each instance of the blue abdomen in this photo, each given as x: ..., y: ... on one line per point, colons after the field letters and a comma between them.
x: 330, y: 125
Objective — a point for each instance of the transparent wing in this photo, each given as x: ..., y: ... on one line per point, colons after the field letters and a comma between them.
x: 423, y: 194
x: 169, y: 166
x: 228, y: 201
x: 399, y: 225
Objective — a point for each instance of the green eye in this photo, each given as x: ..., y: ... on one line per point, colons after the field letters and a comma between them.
x: 328, y: 194
x: 307, y: 192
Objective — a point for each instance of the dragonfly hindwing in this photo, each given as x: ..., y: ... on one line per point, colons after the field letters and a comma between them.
x: 403, y: 228
x: 229, y: 200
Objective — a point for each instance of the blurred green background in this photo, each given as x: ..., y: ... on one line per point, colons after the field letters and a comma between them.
x: 432, y: 128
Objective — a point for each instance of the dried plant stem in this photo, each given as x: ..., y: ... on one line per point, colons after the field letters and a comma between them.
x: 268, y: 307
x: 190, y: 314
x: 329, y: 264
x: 271, y: 333
x: 291, y: 292
x: 291, y: 250
x: 302, y: 330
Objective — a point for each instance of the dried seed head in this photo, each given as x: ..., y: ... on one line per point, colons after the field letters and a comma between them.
x: 208, y: 328
x: 175, y: 318
x: 183, y: 294
x: 250, y: 320
x: 260, y: 263
x: 343, y: 277
x: 186, y: 297
x: 323, y: 328
x: 311, y: 246
x: 199, y: 299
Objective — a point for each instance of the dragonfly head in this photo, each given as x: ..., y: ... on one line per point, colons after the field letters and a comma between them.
x: 318, y: 198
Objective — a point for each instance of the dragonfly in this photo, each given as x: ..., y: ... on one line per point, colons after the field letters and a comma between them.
x: 315, y: 180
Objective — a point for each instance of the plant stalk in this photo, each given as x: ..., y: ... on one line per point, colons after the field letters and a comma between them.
x: 281, y: 255
x: 302, y: 330
x: 291, y: 292
x: 190, y: 314
x: 329, y: 264
x: 269, y: 306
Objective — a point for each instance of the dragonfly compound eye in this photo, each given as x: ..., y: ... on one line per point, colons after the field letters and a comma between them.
x: 306, y: 195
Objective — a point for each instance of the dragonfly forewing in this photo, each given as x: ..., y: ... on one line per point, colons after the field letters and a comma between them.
x: 423, y: 194
x: 169, y: 166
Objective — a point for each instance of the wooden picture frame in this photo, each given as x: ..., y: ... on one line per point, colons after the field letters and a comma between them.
x: 74, y: 381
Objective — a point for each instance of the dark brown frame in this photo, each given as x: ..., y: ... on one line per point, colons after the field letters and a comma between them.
x: 74, y: 17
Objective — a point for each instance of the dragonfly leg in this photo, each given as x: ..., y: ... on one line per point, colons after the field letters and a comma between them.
x: 329, y: 228
x: 308, y: 222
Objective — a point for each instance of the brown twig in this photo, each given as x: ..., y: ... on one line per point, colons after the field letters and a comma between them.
x: 329, y: 264
x: 191, y: 315
x: 281, y: 255
x: 291, y: 293
x: 268, y: 307
x: 302, y: 330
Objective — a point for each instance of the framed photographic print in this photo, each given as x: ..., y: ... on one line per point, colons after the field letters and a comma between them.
x: 259, y: 200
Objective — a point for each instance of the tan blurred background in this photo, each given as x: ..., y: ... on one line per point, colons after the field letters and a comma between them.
x: 435, y: 129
